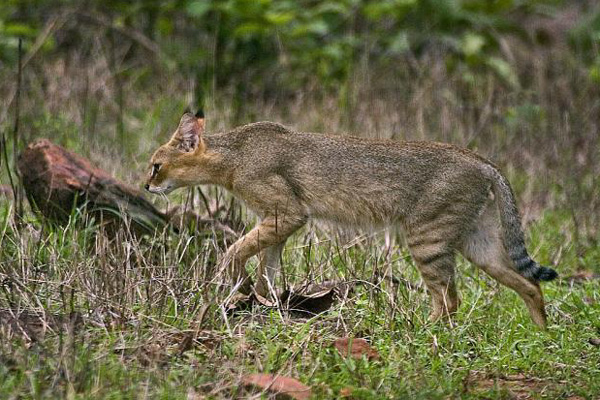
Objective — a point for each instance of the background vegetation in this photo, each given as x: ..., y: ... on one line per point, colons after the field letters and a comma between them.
x: 516, y: 80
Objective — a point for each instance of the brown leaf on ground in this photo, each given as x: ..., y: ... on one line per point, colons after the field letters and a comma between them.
x: 594, y: 341
x: 312, y: 303
x: 346, y: 392
x: 302, y: 299
x: 282, y: 386
x: 356, y: 348
x: 314, y: 298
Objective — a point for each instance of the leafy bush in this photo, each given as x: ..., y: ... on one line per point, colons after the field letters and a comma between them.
x: 292, y: 42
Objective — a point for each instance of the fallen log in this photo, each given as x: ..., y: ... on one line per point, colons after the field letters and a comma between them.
x: 58, y: 181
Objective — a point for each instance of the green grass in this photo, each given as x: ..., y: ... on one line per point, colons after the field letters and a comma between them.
x: 149, y: 316
x: 137, y: 308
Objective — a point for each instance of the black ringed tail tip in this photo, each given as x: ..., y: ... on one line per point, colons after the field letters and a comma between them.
x: 526, y: 264
x: 545, y: 274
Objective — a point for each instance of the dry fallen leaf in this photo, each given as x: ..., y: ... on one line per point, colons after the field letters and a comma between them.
x: 356, y: 348
x: 313, y: 303
x: 303, y: 299
x: 279, y: 385
x: 346, y: 392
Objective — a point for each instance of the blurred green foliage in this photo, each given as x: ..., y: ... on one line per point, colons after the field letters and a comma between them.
x: 298, y: 41
x: 585, y: 37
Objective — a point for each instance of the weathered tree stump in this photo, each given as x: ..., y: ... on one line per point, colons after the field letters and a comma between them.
x: 58, y: 181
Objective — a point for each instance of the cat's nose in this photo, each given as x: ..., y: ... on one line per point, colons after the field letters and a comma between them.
x: 147, y: 187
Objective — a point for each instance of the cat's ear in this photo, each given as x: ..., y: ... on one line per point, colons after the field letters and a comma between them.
x: 188, y: 136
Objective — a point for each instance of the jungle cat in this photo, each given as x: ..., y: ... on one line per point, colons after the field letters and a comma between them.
x: 446, y: 200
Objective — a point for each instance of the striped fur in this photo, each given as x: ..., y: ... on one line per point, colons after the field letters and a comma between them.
x: 513, y: 235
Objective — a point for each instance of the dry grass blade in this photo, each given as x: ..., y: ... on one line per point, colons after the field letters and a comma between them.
x: 99, y: 82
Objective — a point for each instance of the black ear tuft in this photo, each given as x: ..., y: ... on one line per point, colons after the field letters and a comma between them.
x: 200, y: 113
x: 188, y: 110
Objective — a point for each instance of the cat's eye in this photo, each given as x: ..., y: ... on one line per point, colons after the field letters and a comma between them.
x: 155, y: 168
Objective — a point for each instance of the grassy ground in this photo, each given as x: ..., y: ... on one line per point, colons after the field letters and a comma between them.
x: 143, y: 321
x: 85, y: 317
